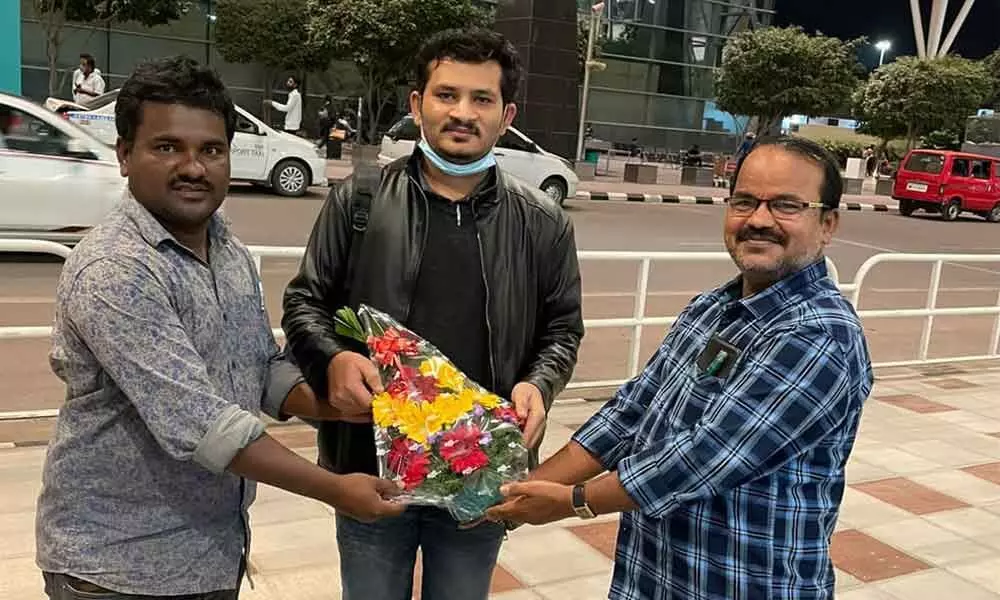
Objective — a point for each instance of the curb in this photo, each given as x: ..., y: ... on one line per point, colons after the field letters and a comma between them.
x: 702, y: 200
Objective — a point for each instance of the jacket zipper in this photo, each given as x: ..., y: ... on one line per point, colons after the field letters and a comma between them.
x: 420, y: 255
x: 486, y: 286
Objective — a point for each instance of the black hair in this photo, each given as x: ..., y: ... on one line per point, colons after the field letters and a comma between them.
x: 295, y: 79
x: 89, y: 60
x: 832, y: 187
x: 473, y: 45
x: 172, y: 80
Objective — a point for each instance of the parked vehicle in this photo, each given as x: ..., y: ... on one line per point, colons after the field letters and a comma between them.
x: 516, y: 154
x: 949, y: 183
x: 259, y: 154
x: 56, y: 180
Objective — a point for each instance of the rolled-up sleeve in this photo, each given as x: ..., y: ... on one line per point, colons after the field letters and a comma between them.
x: 282, y: 376
x: 124, y: 315
x: 792, y: 392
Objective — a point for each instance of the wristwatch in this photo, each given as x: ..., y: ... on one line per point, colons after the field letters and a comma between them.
x: 580, y: 506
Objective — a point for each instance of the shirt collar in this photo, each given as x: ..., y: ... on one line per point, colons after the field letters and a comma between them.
x: 774, y: 297
x: 155, y: 233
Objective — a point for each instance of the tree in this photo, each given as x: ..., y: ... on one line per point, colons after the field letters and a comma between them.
x: 382, y: 39
x: 992, y: 64
x: 273, y: 33
x: 912, y: 97
x: 54, y: 14
x: 775, y: 72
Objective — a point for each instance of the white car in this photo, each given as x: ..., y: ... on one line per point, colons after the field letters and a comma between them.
x: 516, y: 154
x: 56, y: 180
x: 259, y: 154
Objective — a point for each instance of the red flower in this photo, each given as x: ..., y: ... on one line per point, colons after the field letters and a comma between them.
x: 460, y: 448
x: 398, y: 387
x: 470, y: 463
x: 508, y: 414
x: 385, y: 349
x: 426, y: 387
x: 409, y: 462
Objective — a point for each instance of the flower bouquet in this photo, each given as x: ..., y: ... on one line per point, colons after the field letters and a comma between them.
x: 443, y: 438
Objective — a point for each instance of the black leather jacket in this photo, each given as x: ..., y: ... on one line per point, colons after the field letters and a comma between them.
x: 529, y: 265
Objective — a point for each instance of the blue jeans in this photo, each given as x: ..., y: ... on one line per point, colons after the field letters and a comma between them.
x: 377, y: 559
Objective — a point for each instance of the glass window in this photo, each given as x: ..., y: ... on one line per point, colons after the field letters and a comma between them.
x: 996, y: 171
x: 513, y: 141
x: 960, y: 168
x: 245, y: 125
x: 924, y: 162
x: 22, y: 132
x: 404, y: 129
x: 981, y: 169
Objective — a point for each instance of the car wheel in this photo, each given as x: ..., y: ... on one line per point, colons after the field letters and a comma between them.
x: 555, y: 189
x: 994, y: 215
x: 905, y: 208
x: 950, y: 211
x: 290, y: 178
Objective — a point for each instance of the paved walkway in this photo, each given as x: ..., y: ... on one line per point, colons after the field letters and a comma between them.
x: 920, y: 520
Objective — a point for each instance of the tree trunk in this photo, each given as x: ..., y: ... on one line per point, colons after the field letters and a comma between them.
x: 911, y: 137
x: 53, y: 31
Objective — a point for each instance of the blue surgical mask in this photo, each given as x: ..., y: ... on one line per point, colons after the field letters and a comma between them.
x: 455, y: 169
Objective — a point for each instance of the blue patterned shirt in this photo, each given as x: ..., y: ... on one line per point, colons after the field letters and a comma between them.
x: 168, y: 360
x: 738, y: 479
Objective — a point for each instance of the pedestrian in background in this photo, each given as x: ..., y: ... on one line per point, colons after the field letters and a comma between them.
x: 292, y: 107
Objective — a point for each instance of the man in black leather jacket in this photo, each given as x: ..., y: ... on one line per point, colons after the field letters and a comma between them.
x: 475, y: 261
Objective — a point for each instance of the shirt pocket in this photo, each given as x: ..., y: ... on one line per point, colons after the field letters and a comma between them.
x: 699, y: 391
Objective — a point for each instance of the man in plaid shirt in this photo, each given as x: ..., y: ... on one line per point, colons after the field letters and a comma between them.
x: 726, y: 455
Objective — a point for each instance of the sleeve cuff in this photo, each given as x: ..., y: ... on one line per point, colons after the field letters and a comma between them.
x: 597, y: 437
x: 633, y: 473
x: 282, y: 377
x: 233, y: 430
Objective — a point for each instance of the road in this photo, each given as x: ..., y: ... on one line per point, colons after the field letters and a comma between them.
x: 27, y: 284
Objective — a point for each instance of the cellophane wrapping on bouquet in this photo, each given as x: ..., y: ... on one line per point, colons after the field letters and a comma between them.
x: 443, y: 438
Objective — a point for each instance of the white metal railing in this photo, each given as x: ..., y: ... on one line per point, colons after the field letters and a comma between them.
x: 639, y: 320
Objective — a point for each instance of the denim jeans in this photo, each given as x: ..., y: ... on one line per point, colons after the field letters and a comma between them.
x: 377, y: 559
x: 64, y: 587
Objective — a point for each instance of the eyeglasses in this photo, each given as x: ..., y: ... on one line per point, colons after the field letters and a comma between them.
x: 744, y: 206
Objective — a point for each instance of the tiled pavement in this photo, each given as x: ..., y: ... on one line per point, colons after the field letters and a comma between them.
x: 920, y: 519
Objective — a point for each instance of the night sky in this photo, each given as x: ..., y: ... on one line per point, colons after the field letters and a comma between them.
x: 890, y: 19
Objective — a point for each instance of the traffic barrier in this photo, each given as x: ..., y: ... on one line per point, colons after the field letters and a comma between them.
x: 639, y: 320
x: 703, y: 200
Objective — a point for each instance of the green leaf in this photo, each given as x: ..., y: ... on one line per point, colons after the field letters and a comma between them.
x: 346, y: 324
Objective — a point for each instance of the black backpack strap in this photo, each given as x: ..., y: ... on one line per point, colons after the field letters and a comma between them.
x: 366, y: 182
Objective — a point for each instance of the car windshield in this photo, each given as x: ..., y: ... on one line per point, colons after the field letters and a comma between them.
x: 102, y: 100
x: 925, y: 162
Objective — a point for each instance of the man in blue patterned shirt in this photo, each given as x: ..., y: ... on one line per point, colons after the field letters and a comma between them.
x: 163, y: 340
x: 727, y: 454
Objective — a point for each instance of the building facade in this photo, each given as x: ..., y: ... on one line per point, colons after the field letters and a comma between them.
x: 657, y: 89
x: 661, y: 57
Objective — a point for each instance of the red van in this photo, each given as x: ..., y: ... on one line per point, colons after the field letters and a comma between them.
x: 949, y: 183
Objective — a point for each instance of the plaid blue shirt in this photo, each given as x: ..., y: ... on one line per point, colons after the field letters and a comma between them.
x: 738, y: 479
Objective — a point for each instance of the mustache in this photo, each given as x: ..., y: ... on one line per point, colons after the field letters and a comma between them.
x: 198, y: 184
x: 755, y: 234
x: 460, y: 127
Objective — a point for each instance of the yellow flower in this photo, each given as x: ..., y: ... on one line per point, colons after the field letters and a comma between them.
x: 489, y: 401
x: 449, y: 408
x: 446, y: 374
x: 384, y: 410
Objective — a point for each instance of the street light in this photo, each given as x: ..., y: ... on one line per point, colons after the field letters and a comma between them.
x: 590, y: 64
x: 883, y: 47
